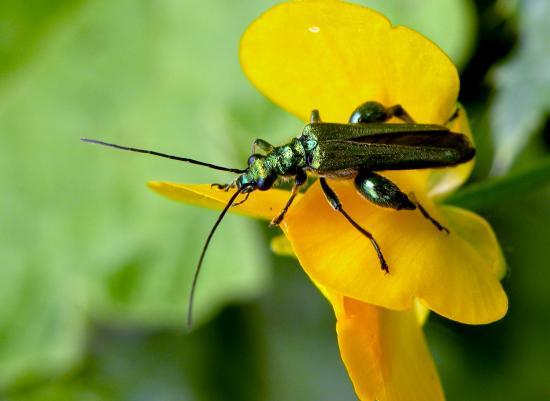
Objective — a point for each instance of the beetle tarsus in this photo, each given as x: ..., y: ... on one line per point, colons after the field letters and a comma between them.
x: 427, y: 215
x: 224, y: 187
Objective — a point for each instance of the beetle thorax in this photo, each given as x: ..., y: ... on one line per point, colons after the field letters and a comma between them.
x: 263, y: 170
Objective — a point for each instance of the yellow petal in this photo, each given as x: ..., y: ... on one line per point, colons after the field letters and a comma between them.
x: 386, y: 355
x: 262, y: 205
x: 332, y: 56
x: 422, y: 312
x: 474, y: 229
x: 456, y: 276
x: 445, y: 180
x: 280, y: 245
x: 335, y: 299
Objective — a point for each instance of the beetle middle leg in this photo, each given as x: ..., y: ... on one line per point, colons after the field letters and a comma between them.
x: 263, y: 145
x: 332, y: 198
x: 315, y: 117
x: 299, y: 180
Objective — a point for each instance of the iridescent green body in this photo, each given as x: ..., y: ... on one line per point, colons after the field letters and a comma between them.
x: 342, y: 150
x: 285, y: 160
x: 358, y: 150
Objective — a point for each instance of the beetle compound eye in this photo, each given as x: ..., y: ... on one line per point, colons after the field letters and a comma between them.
x: 264, y: 183
x: 369, y: 112
x: 253, y: 158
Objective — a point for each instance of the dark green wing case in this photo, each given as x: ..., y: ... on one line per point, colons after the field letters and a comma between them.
x: 334, y: 131
x: 384, y: 146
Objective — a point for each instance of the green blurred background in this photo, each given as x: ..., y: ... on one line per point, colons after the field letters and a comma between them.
x: 95, y: 268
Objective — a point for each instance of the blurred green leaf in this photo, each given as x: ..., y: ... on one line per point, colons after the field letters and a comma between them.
x: 238, y: 356
x: 451, y: 24
x: 25, y: 27
x: 503, y: 349
x: 516, y: 206
x: 523, y: 228
x: 81, y: 234
x: 522, y: 96
x: 483, y: 195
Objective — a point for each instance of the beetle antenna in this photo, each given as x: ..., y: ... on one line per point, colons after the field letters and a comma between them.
x: 152, y: 152
x: 204, y: 248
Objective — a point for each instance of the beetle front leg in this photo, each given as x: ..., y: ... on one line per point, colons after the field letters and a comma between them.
x: 336, y: 205
x: 225, y: 187
x: 299, y: 180
x: 243, y: 201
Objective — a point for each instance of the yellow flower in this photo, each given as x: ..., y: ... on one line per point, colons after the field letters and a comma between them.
x: 332, y: 56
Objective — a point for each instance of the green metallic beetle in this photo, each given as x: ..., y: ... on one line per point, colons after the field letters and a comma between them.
x: 344, y: 151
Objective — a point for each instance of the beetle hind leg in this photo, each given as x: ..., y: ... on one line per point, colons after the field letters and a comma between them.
x: 381, y: 191
x: 428, y: 217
